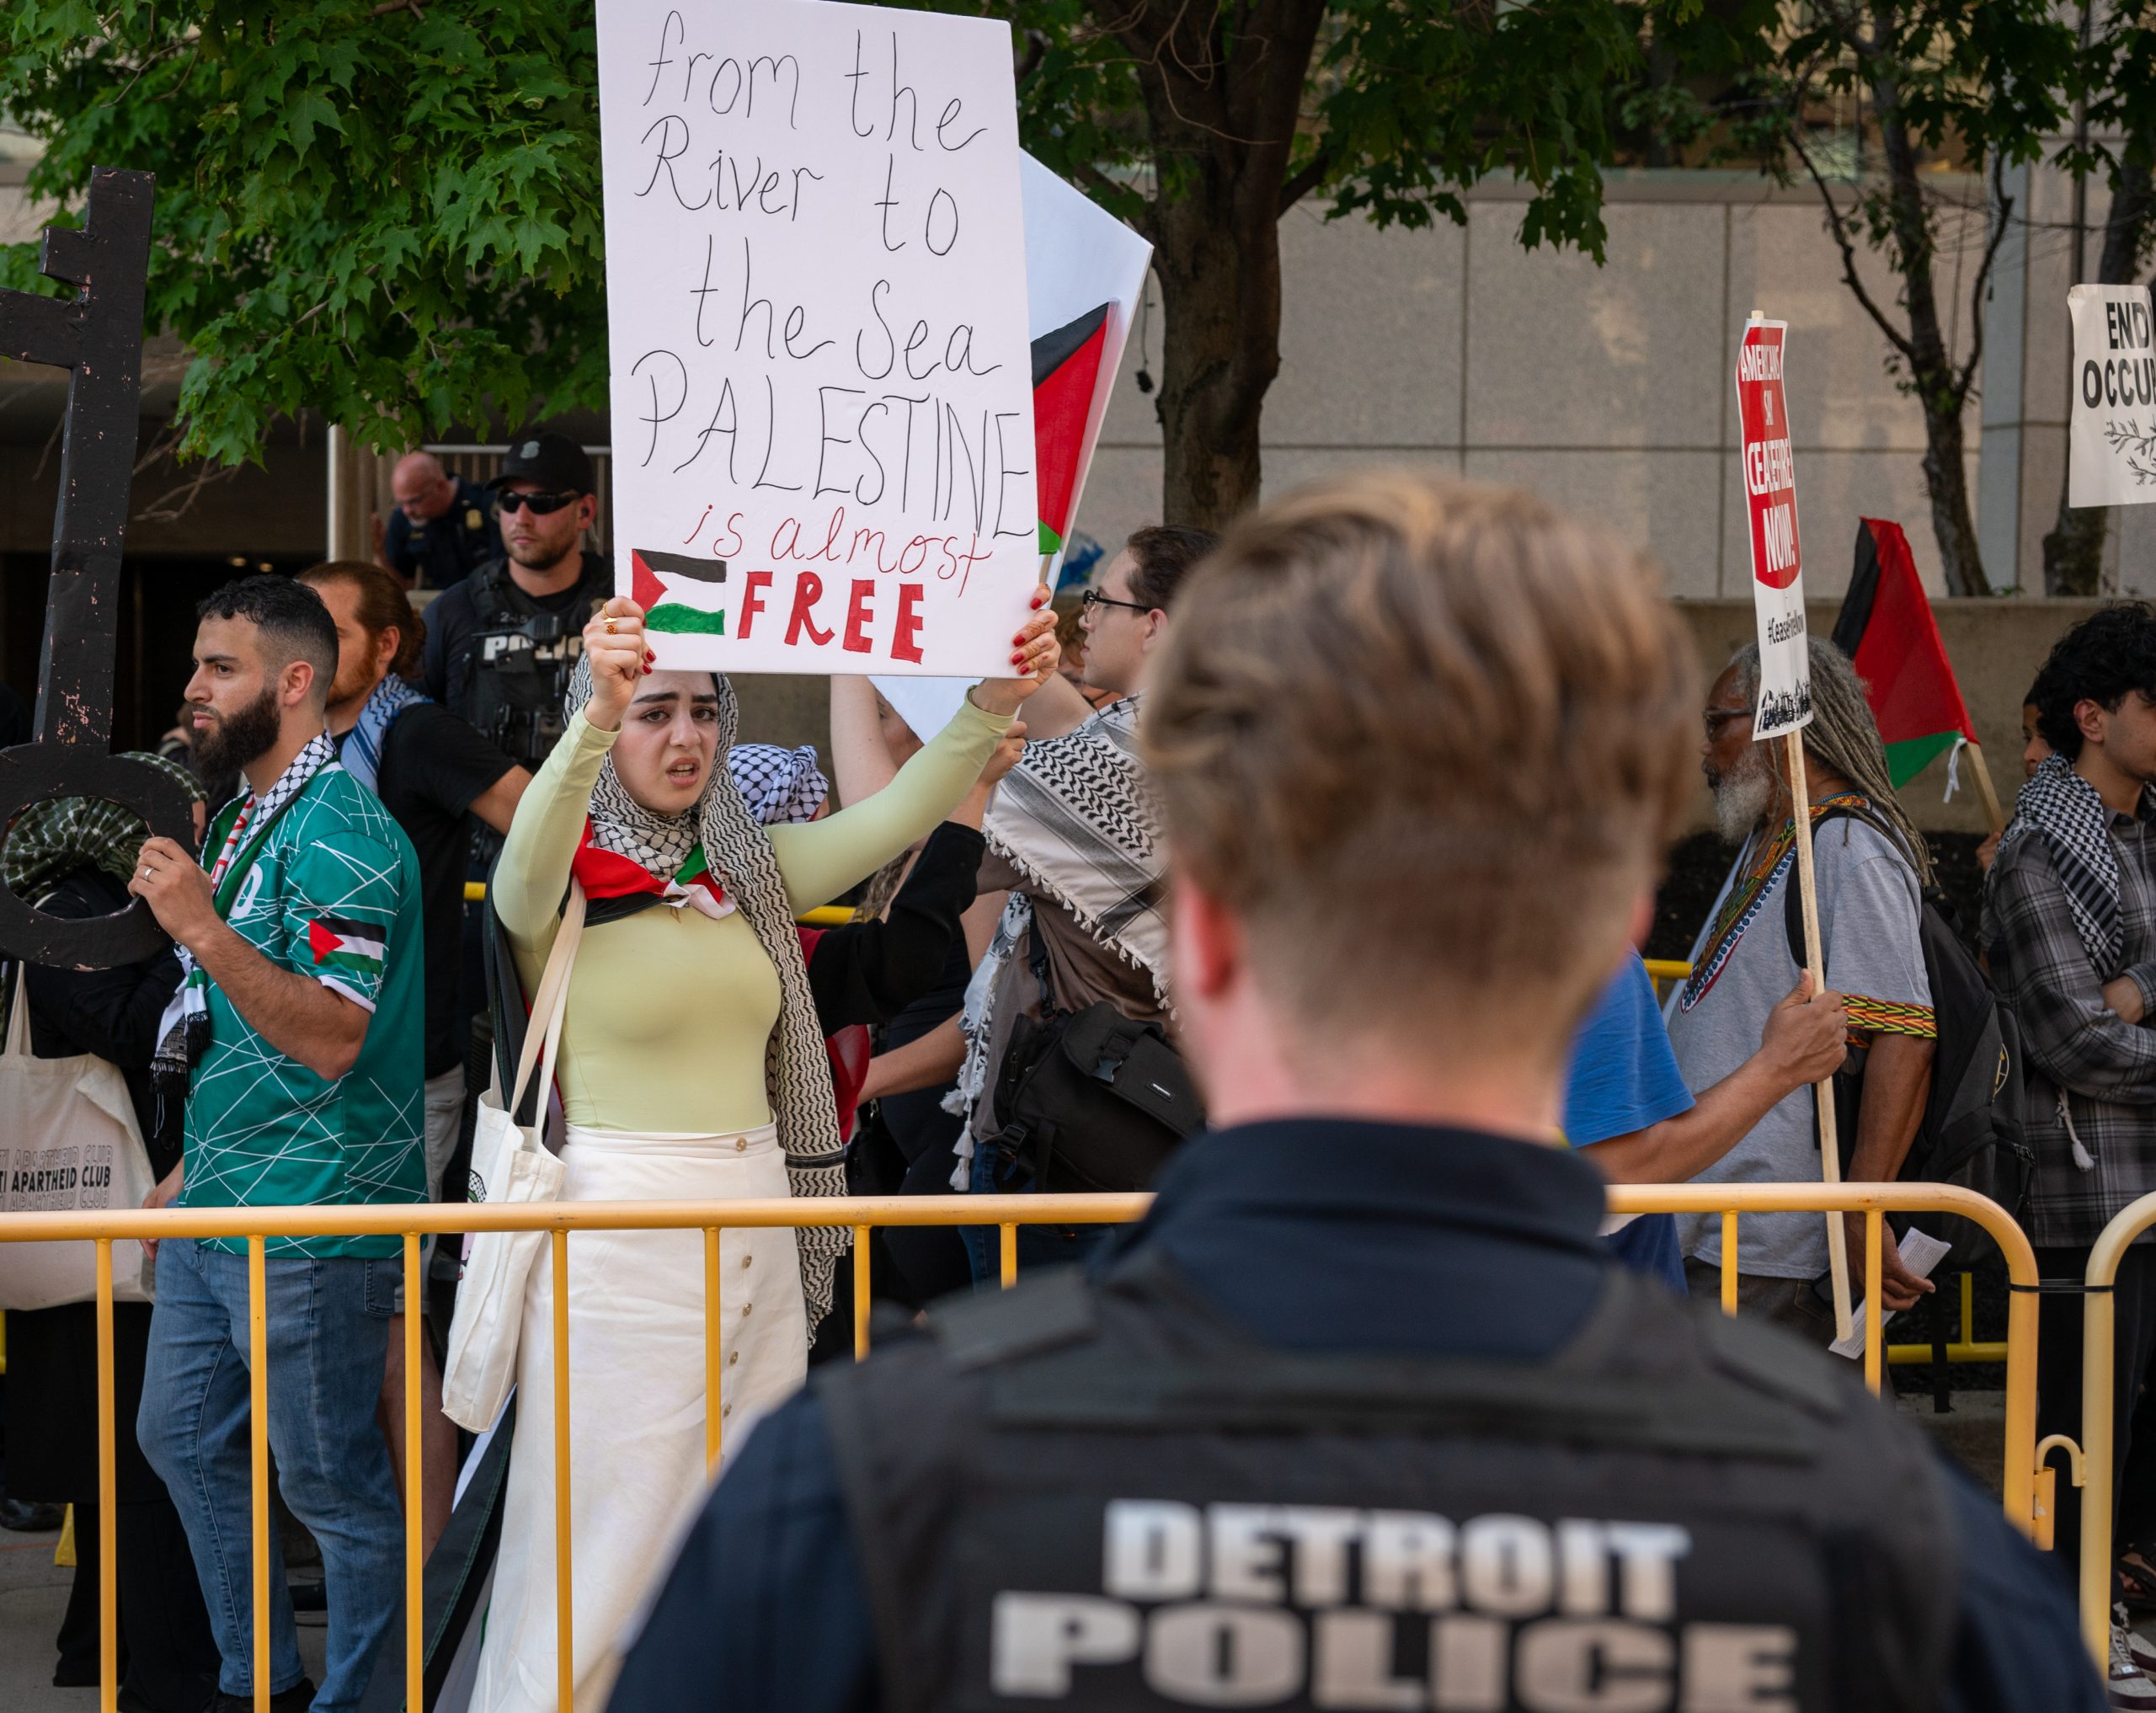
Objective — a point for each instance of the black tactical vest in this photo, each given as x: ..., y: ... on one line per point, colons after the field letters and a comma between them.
x: 1106, y: 1496
x: 519, y: 658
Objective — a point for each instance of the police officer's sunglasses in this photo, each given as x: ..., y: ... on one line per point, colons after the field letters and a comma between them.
x: 541, y: 504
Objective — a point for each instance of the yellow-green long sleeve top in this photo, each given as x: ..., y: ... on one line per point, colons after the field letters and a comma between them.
x: 670, y: 1011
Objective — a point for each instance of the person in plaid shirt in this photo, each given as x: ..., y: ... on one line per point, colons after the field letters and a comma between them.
x: 2070, y: 930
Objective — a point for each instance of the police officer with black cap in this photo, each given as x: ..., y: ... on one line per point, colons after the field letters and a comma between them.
x: 501, y: 644
x: 1362, y: 1415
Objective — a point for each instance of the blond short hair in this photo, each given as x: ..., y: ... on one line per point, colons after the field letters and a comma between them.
x: 1428, y: 741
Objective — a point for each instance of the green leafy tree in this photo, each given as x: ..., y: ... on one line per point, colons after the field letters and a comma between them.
x: 386, y: 215
x: 1985, y: 81
x: 389, y: 213
x: 1203, y: 124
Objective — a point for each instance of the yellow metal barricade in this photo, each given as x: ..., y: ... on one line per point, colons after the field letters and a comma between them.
x: 862, y: 1215
x: 2094, y: 1462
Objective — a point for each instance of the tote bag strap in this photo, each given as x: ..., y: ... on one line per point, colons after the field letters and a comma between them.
x: 542, y: 1033
x: 19, y: 1014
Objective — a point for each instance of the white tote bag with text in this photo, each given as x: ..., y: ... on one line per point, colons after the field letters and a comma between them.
x: 509, y: 1163
x: 69, y: 1143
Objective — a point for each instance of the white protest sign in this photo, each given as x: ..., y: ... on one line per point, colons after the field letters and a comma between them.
x: 1079, y: 259
x: 816, y: 273
x: 2111, y: 439
x: 1770, y: 504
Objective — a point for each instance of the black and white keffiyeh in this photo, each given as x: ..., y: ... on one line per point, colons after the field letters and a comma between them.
x: 184, y: 1030
x: 2061, y: 806
x: 782, y: 788
x: 1077, y: 818
x: 796, y: 1070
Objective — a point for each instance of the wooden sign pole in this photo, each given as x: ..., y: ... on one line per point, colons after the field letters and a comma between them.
x: 1987, y: 794
x: 1830, y: 1151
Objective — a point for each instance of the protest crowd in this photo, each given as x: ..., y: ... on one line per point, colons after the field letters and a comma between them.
x: 1296, y: 874
x: 1335, y: 1084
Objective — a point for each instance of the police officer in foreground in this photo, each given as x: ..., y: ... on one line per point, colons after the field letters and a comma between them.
x: 1362, y: 1415
x: 502, y: 644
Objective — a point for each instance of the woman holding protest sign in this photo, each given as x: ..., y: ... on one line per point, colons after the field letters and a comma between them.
x: 691, y: 1067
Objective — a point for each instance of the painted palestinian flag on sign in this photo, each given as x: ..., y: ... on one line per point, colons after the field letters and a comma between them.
x: 680, y: 594
x: 1066, y: 370
x: 341, y: 947
x: 1887, y: 629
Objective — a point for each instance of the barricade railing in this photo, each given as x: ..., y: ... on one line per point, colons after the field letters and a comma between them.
x: 859, y: 1215
x: 2092, y: 1459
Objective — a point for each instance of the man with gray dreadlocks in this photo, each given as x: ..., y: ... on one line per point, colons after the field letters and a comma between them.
x: 1871, y: 865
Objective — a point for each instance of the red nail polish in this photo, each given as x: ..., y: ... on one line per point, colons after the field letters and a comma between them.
x: 1018, y: 660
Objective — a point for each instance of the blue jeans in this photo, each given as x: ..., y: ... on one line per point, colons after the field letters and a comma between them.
x: 327, y: 1333
x: 1038, y: 1245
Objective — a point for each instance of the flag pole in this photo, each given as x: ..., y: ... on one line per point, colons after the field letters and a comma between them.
x: 1987, y: 794
x: 1830, y: 1151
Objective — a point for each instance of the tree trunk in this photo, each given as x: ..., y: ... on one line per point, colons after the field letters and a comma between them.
x: 1220, y: 275
x: 1938, y: 387
x: 2073, y: 552
x: 1221, y: 110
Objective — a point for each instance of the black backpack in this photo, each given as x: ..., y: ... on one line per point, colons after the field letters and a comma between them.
x: 1971, y: 1135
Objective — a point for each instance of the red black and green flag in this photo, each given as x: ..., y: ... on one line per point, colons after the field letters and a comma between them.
x: 1066, y: 370
x: 680, y: 594
x: 1887, y: 629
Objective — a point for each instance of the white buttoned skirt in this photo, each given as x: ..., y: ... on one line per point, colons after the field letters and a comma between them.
x: 636, y: 1398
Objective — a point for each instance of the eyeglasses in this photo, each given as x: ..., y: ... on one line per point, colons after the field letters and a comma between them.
x: 541, y: 504
x: 1715, y: 718
x: 1093, y: 597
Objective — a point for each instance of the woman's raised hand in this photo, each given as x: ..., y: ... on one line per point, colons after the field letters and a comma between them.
x: 614, y: 643
x: 1034, y: 652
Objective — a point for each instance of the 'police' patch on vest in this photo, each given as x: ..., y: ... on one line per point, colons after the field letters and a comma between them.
x: 1246, y: 1605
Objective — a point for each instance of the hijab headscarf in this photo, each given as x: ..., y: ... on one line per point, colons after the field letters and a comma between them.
x: 719, y: 837
x: 52, y: 839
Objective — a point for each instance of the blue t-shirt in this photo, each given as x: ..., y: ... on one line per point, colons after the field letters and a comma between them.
x: 1622, y: 1078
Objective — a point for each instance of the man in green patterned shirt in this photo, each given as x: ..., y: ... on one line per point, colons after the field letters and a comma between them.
x: 299, y: 1037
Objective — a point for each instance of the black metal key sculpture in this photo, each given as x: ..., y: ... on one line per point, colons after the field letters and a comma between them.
x: 98, y: 334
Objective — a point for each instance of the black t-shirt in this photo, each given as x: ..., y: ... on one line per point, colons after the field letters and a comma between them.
x: 445, y: 661
x: 441, y: 552
x: 434, y: 766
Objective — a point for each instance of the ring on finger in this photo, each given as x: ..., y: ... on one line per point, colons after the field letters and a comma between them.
x: 609, y: 627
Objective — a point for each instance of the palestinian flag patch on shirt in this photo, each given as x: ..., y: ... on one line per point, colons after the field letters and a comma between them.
x: 354, y: 947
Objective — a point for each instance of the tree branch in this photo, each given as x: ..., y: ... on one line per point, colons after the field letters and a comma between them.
x: 1300, y: 185
x: 1895, y: 337
x: 1967, y: 374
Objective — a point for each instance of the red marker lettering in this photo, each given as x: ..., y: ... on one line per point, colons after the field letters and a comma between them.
x: 857, y: 616
x: 752, y: 598
x: 807, y: 590
x: 905, y: 637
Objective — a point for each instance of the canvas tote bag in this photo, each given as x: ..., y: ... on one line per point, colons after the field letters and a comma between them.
x: 509, y: 1163
x: 70, y: 1145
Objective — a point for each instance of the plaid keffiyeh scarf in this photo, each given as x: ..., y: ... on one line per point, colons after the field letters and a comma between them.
x: 2075, y: 825
x: 184, y: 1030
x: 1075, y: 817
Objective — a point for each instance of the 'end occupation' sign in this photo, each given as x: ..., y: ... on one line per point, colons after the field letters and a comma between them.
x: 1769, y: 471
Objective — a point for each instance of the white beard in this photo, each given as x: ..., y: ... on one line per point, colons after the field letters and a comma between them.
x: 1742, y: 797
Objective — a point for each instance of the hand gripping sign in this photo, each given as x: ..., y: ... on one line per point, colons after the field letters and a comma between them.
x: 816, y: 302
x: 1783, y: 707
x: 98, y: 335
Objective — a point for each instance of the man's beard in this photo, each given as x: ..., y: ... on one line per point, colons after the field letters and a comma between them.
x: 1742, y: 796
x: 238, y: 739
